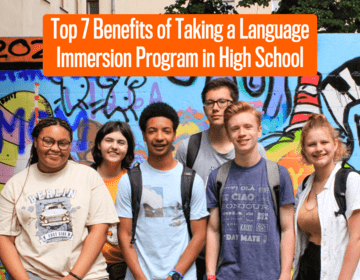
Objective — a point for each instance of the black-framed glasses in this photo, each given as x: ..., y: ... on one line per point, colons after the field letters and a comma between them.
x: 222, y: 103
x: 48, y: 142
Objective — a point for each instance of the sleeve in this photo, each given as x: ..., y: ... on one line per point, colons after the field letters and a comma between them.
x: 198, y: 207
x: 101, y: 210
x: 261, y: 151
x: 123, y: 198
x: 286, y: 187
x: 181, y: 152
x: 352, y: 193
x: 9, y: 223
x: 211, y: 195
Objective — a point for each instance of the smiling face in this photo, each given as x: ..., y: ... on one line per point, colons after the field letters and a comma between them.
x: 319, y: 148
x: 113, y: 148
x: 52, y: 158
x: 215, y: 114
x: 243, y: 130
x: 159, y: 136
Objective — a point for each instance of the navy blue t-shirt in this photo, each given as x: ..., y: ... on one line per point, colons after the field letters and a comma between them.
x: 250, y: 243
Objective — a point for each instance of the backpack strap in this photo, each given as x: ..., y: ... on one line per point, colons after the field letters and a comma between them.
x: 193, y: 149
x: 221, y: 178
x: 340, y: 190
x: 273, y: 175
x: 303, y: 185
x: 136, y: 192
x: 187, y: 181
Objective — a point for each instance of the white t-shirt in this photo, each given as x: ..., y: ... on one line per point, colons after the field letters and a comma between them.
x: 334, y: 230
x: 52, y: 215
x: 161, y: 231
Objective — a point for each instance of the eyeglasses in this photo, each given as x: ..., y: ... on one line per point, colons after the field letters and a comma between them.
x: 222, y: 103
x: 48, y: 142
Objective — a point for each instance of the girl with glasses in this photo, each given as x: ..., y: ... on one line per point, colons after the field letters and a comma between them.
x: 55, y: 213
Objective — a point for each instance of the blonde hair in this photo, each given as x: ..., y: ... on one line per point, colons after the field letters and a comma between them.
x: 320, y: 121
x: 240, y: 107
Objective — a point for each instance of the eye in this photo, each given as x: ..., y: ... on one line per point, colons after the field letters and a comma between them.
x: 122, y: 142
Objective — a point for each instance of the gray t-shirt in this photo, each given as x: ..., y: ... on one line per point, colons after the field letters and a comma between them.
x: 208, y: 159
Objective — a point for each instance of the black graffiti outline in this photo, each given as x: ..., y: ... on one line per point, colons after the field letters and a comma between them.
x: 110, y: 87
x: 81, y: 102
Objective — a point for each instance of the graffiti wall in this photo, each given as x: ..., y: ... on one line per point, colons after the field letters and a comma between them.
x: 88, y: 102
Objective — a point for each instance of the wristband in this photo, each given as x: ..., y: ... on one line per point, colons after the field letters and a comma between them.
x: 75, y: 276
x: 210, y: 277
x: 175, y: 271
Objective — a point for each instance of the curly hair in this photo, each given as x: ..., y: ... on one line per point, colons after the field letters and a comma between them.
x: 219, y: 83
x: 320, y: 121
x: 158, y: 109
x: 125, y: 130
x: 50, y: 121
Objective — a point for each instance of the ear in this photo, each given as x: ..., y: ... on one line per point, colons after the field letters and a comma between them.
x: 144, y: 137
x: 35, y: 143
x: 259, y: 132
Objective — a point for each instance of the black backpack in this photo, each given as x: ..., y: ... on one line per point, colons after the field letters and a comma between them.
x: 187, y: 180
x: 339, y: 189
x: 193, y: 149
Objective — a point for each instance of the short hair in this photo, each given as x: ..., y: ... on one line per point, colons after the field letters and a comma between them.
x: 50, y: 121
x: 219, y: 83
x: 320, y: 121
x: 240, y: 107
x: 158, y: 109
x: 125, y: 130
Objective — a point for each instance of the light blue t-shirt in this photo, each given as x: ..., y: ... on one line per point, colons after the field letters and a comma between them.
x: 161, y: 232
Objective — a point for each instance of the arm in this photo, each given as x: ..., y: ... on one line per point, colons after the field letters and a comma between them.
x: 287, y: 243
x: 92, y: 247
x: 10, y: 258
x: 130, y: 256
x: 213, y: 241
x: 197, y: 243
x: 352, y: 253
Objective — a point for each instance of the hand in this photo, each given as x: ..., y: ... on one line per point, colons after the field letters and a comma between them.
x: 168, y: 278
x: 285, y: 276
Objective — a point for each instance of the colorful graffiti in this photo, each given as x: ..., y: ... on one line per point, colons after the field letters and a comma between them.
x: 88, y: 102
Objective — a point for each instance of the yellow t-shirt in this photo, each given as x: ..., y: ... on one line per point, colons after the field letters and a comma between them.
x: 113, y: 253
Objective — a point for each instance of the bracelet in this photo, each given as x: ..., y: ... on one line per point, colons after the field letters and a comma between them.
x: 75, y: 276
x: 182, y: 276
x: 210, y: 277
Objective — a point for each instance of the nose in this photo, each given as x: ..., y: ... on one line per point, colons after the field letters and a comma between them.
x: 55, y: 147
x: 159, y: 136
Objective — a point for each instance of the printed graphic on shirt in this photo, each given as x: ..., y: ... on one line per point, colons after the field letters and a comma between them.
x: 246, y: 210
x: 154, y: 208
x: 53, y: 215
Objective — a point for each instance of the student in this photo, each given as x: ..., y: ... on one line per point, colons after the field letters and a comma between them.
x: 215, y: 146
x: 317, y: 227
x: 55, y: 213
x: 113, y: 153
x: 162, y: 249
x: 243, y: 238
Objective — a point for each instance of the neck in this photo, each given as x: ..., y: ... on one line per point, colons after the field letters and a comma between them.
x: 247, y: 159
x: 164, y: 163
x: 217, y: 134
x: 323, y: 173
x: 108, y: 171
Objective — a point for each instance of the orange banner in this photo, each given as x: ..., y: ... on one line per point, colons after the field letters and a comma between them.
x: 180, y: 45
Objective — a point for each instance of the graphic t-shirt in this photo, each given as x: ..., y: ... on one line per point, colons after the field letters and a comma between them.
x: 250, y: 241
x: 52, y: 215
x: 208, y: 159
x: 161, y: 232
